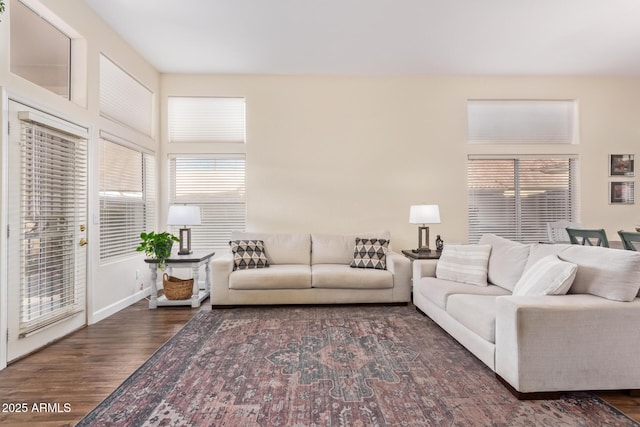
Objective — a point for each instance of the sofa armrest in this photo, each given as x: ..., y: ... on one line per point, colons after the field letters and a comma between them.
x: 221, y: 268
x: 567, y: 342
x: 424, y: 268
x: 400, y: 267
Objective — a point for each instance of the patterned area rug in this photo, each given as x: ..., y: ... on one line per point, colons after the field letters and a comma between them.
x: 327, y: 366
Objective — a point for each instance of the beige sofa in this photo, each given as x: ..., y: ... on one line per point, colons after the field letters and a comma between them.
x: 309, y: 269
x: 587, y: 339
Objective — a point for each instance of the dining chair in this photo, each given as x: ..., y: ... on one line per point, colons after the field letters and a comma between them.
x: 557, y: 230
x: 629, y: 239
x: 588, y: 237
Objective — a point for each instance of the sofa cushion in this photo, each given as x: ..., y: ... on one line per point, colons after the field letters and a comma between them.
x: 507, y: 260
x: 438, y: 290
x: 248, y: 254
x: 338, y: 249
x: 464, y: 263
x: 609, y: 273
x: 541, y: 250
x: 341, y: 276
x: 476, y: 312
x: 275, y: 277
x: 281, y: 248
x: 548, y: 276
x: 370, y: 253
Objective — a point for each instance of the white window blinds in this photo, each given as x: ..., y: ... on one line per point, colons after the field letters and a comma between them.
x: 127, y: 198
x: 515, y: 197
x: 123, y: 99
x: 206, y: 119
x: 216, y: 183
x: 52, y: 211
x: 521, y: 121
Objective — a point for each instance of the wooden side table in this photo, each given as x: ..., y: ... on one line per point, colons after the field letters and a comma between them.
x: 433, y: 254
x: 193, y: 261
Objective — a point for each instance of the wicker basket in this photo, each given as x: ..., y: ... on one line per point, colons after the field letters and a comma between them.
x: 177, y: 289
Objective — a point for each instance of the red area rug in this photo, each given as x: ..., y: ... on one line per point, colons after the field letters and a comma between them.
x: 327, y: 366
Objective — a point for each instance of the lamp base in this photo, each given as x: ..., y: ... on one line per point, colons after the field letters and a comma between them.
x: 423, y: 239
x: 185, y: 237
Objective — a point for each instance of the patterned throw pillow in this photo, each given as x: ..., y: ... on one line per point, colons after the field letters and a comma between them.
x: 248, y: 254
x: 370, y: 253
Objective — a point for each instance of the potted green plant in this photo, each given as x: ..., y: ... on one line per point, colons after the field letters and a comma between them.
x: 157, y: 245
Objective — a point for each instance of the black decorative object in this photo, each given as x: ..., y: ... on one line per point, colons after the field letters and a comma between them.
x: 439, y: 243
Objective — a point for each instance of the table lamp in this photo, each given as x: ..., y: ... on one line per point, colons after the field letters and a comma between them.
x: 424, y: 214
x: 184, y: 215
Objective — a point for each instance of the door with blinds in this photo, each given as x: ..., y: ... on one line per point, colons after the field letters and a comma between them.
x: 47, y: 229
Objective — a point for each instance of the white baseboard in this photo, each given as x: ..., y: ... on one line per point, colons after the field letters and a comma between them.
x: 116, y: 307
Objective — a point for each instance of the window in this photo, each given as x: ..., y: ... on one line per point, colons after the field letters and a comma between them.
x: 123, y: 99
x: 216, y: 183
x: 127, y: 197
x: 206, y: 119
x: 521, y: 121
x: 515, y: 197
x: 40, y: 52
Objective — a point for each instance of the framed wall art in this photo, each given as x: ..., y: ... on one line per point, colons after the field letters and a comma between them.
x: 622, y: 165
x: 622, y: 192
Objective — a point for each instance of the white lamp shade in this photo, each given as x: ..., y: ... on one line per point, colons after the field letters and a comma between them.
x: 183, y: 215
x: 424, y: 214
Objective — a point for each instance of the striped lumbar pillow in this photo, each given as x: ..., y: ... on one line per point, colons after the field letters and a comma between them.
x: 548, y: 276
x: 464, y: 263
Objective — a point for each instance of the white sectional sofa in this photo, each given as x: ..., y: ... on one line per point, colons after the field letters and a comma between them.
x: 539, y: 345
x: 309, y: 269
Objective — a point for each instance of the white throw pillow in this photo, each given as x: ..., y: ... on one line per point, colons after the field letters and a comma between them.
x: 464, y: 263
x: 548, y: 276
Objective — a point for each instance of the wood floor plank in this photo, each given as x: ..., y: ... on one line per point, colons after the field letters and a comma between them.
x: 84, y: 368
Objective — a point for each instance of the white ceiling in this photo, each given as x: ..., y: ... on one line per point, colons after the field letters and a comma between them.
x: 382, y: 37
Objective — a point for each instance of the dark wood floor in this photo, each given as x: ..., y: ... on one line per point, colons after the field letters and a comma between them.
x: 83, y: 368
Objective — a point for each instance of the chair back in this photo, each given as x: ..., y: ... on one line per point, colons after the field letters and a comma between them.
x: 588, y: 237
x: 557, y: 230
x: 630, y: 240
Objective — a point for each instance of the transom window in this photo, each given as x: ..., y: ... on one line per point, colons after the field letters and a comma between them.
x: 40, y: 52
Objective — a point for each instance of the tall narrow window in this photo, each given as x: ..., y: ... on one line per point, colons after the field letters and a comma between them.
x: 206, y: 119
x: 216, y: 183
x: 516, y: 197
x: 127, y: 197
x: 521, y: 121
x: 40, y: 52
x: 124, y: 99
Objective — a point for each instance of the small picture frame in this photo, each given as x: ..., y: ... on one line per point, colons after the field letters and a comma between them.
x: 621, y: 192
x: 622, y: 165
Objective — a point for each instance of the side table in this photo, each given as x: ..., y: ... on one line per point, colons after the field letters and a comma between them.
x: 433, y: 254
x: 193, y: 261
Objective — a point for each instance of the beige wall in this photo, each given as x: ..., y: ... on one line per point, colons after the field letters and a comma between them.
x: 343, y: 154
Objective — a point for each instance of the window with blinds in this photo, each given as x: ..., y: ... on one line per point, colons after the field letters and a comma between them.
x: 206, y: 119
x: 127, y: 197
x: 124, y: 99
x: 216, y: 183
x: 521, y: 121
x: 515, y: 197
x: 53, y: 199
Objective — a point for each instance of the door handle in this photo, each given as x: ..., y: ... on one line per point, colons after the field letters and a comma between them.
x: 83, y: 242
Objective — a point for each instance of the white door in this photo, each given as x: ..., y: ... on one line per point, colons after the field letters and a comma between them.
x: 47, y: 231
